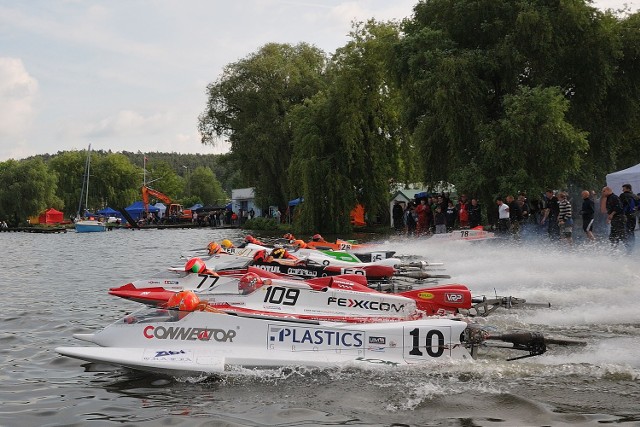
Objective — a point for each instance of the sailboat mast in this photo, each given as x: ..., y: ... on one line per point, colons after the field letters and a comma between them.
x: 86, y: 195
x: 84, y: 192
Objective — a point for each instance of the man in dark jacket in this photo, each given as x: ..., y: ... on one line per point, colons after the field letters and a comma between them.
x: 475, y: 214
x: 588, y: 212
x: 629, y: 204
x: 612, y: 206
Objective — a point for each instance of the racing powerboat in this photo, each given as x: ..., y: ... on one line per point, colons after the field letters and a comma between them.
x: 344, y: 298
x: 194, y: 338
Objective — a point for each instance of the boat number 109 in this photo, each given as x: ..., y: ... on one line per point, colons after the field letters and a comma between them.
x: 280, y: 295
x: 428, y: 343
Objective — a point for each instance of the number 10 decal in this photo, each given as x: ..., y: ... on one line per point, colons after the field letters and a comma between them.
x: 430, y: 341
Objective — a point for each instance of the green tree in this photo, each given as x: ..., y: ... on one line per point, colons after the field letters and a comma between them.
x: 492, y: 86
x: 346, y: 138
x: 115, y: 182
x: 69, y: 167
x: 204, y: 184
x: 249, y: 105
x: 163, y: 178
x: 29, y: 188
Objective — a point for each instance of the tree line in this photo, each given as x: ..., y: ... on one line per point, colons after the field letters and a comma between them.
x: 492, y: 96
x: 55, y: 180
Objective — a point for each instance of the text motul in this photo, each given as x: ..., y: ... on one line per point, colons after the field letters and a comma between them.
x: 364, y: 304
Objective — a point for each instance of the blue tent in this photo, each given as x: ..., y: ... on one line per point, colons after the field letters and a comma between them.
x: 109, y: 212
x: 137, y: 208
x: 296, y: 202
x: 196, y: 206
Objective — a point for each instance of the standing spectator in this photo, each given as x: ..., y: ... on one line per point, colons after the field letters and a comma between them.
x: 463, y: 211
x: 550, y: 215
x: 450, y: 214
x: 396, y: 214
x: 588, y: 212
x: 565, y: 220
x: 410, y: 219
x: 629, y: 204
x: 475, y: 214
x: 503, y: 216
x: 422, y: 212
x: 612, y: 206
x: 515, y: 217
x: 440, y: 221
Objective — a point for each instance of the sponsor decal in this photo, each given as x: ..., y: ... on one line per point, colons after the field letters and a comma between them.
x: 171, y: 282
x: 426, y: 295
x: 353, y: 271
x: 168, y: 355
x: 377, y: 340
x: 376, y: 349
x: 454, y: 297
x: 316, y: 337
x: 301, y: 272
x: 188, y: 334
x: 365, y: 304
x: 271, y: 268
x: 153, y: 282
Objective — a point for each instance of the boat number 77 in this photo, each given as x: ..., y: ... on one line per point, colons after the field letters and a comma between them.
x: 428, y: 343
x: 205, y: 277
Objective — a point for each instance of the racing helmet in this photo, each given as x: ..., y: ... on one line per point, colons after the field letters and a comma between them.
x: 260, y: 256
x: 289, y: 237
x: 317, y: 238
x: 250, y: 239
x: 299, y: 243
x: 195, y: 265
x: 249, y: 283
x: 279, y: 253
x: 183, y: 300
x: 226, y: 243
x: 214, y: 248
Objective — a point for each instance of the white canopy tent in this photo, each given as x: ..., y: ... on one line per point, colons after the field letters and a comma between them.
x: 162, y: 209
x: 631, y: 175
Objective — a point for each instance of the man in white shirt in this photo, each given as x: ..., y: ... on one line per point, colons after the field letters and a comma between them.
x: 503, y: 216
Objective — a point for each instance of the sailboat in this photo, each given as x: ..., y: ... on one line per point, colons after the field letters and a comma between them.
x: 89, y: 224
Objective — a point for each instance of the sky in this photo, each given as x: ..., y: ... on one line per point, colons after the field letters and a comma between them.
x: 132, y: 74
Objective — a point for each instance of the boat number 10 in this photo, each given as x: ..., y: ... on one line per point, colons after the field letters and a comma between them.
x: 433, y: 349
x: 280, y: 295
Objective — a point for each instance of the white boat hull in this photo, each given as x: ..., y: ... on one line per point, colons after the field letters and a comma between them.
x: 175, y: 342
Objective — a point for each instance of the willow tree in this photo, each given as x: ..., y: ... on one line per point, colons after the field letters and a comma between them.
x: 69, y: 166
x: 346, y: 138
x: 115, y: 181
x: 204, y: 184
x: 29, y: 187
x: 494, y: 86
x: 249, y: 105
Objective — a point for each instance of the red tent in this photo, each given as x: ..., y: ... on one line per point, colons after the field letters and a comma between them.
x: 51, y: 216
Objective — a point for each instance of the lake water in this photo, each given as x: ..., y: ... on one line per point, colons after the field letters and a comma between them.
x: 55, y: 285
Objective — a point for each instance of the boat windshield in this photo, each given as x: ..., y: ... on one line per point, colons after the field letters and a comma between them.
x: 153, y: 314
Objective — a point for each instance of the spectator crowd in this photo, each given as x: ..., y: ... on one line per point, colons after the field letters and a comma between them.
x: 613, y: 215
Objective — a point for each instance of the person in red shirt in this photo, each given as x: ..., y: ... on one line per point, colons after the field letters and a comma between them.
x: 423, y: 210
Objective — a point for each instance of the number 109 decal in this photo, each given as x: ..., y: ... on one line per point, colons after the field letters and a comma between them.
x: 421, y: 343
x: 280, y: 295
